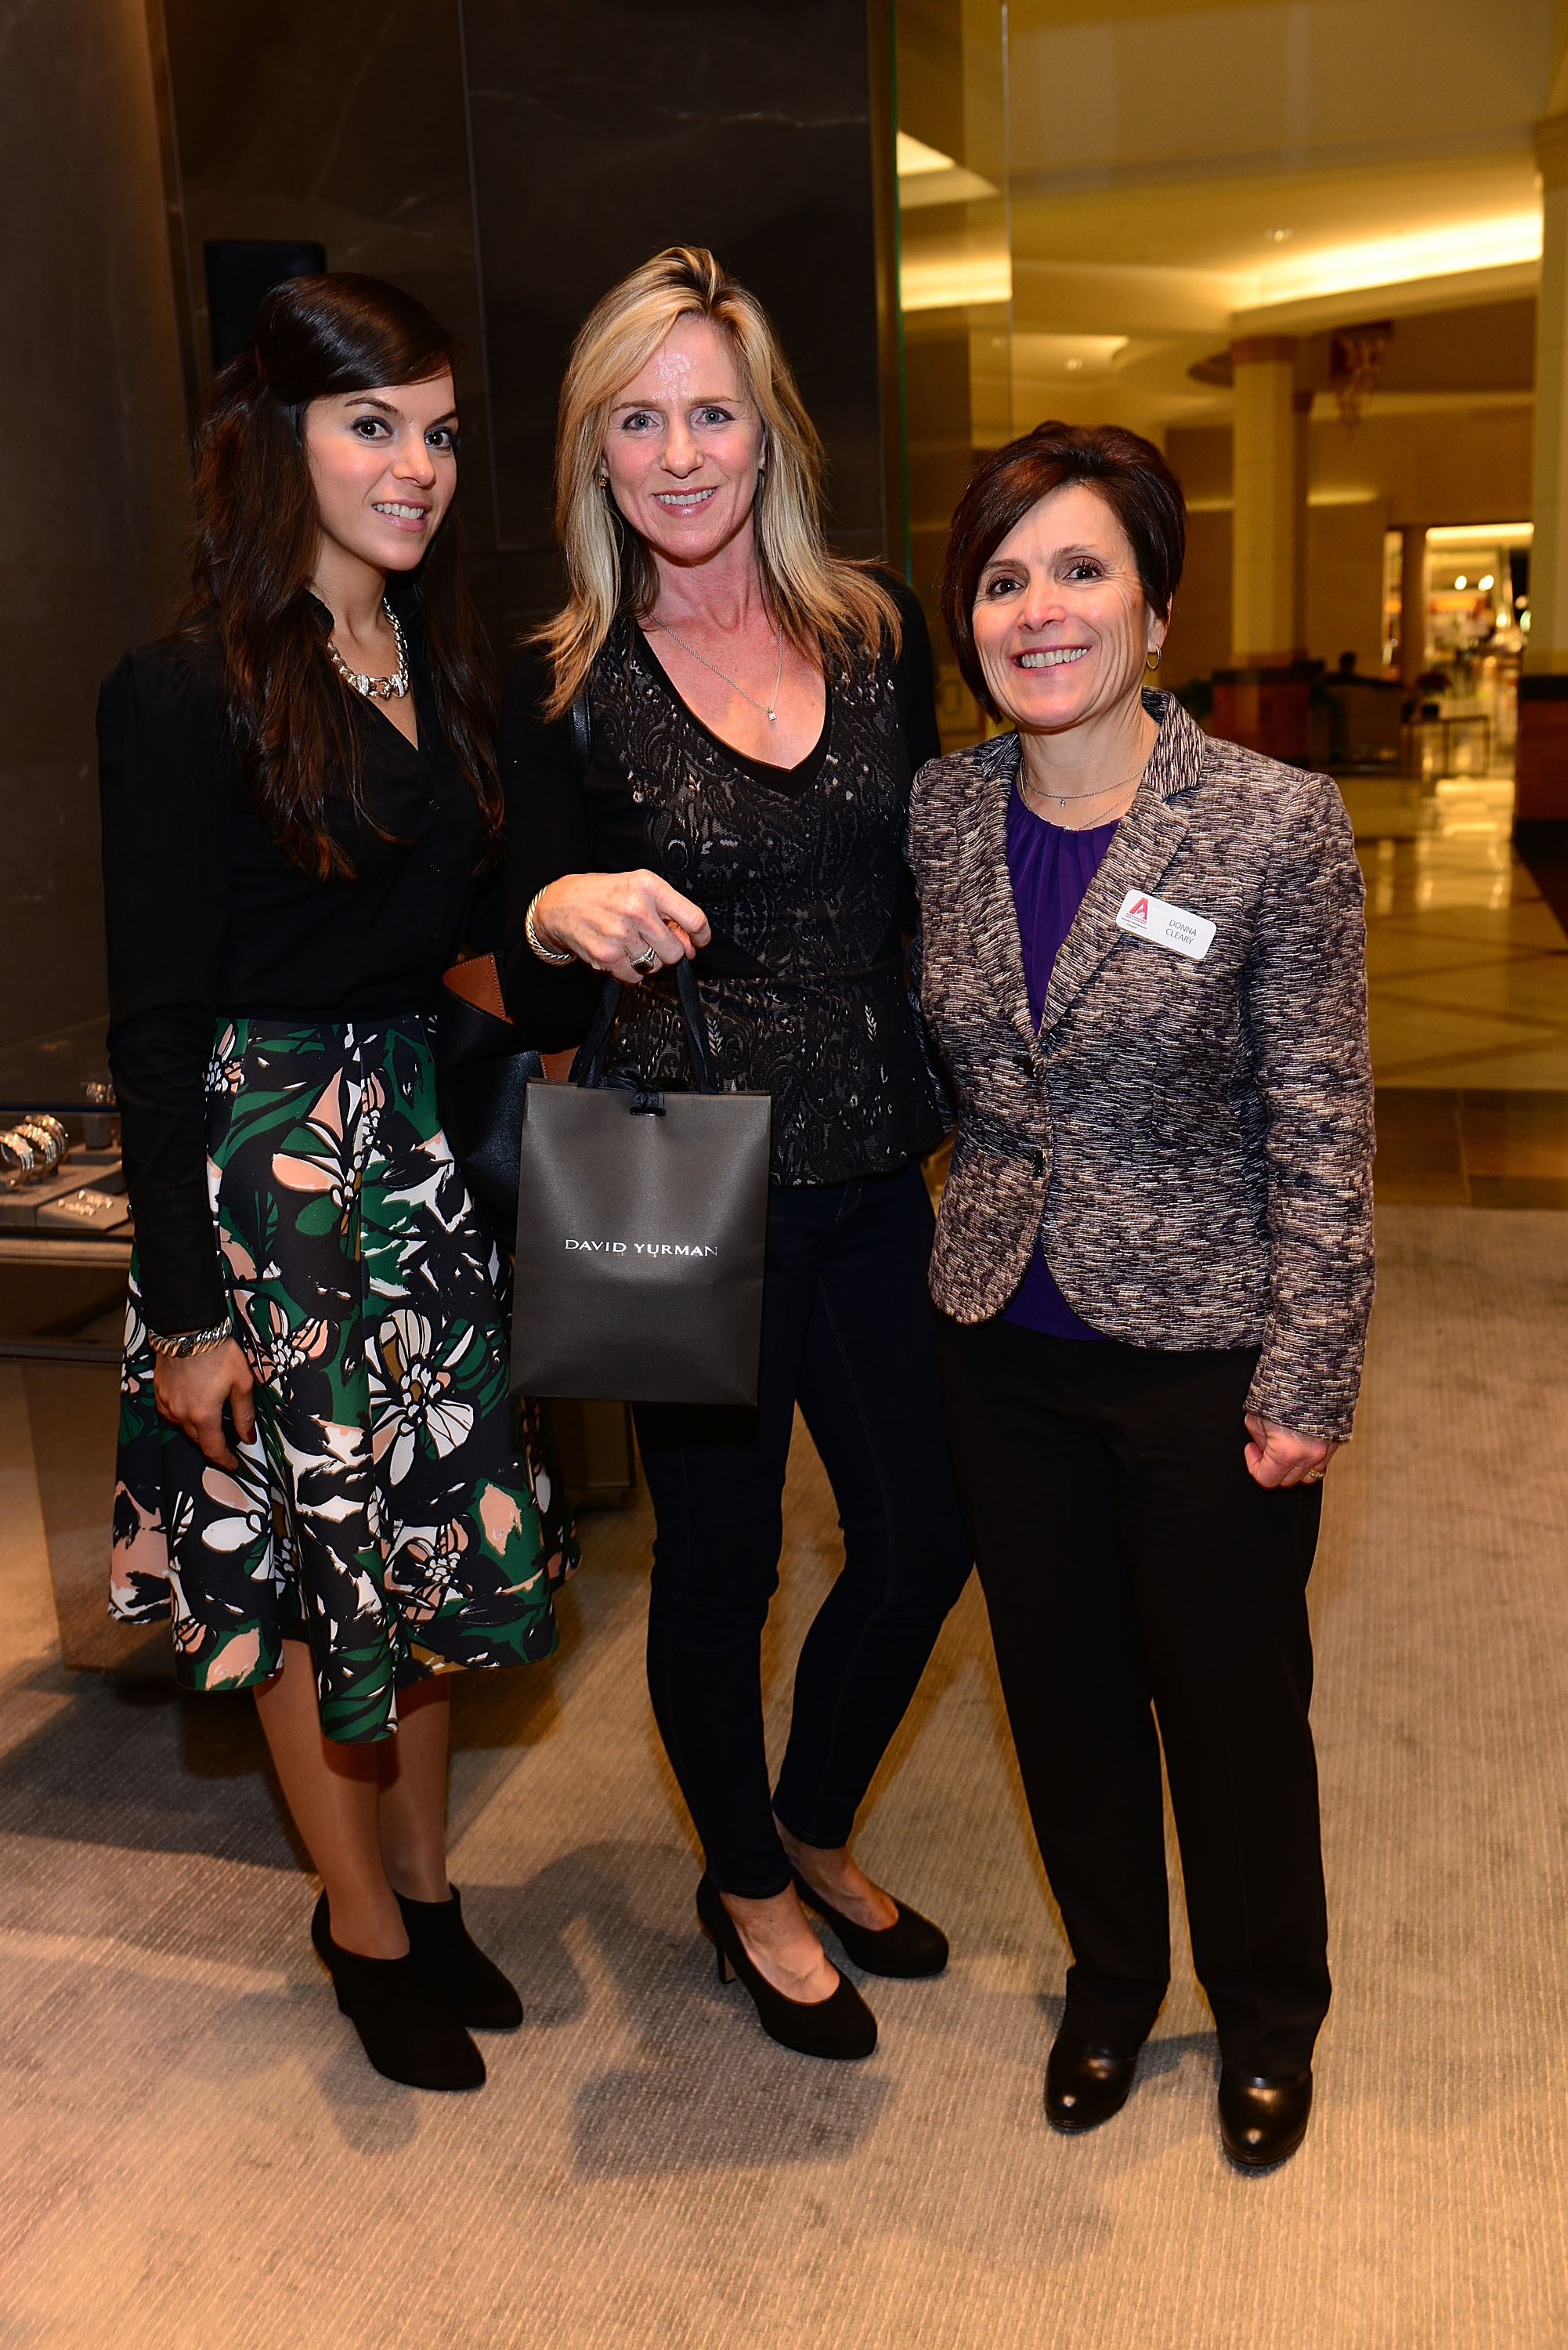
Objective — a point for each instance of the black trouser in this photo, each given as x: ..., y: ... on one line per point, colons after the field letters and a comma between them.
x: 1129, y: 1562
x: 850, y: 1332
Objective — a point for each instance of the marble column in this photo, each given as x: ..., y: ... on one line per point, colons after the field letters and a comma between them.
x: 1540, y: 800
x: 97, y: 503
x: 1301, y: 489
x: 1412, y: 601
x: 1262, y: 699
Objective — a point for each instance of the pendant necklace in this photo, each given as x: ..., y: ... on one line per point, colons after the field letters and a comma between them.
x: 377, y: 689
x: 770, y: 713
x: 1067, y: 799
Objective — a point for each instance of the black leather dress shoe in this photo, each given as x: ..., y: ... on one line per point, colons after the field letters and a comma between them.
x: 1084, y: 2086
x: 1263, y: 2116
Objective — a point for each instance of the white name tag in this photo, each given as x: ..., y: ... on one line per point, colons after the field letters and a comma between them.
x: 1168, y: 926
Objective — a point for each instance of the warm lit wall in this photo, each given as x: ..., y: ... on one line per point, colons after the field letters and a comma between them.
x: 1404, y: 464
x: 95, y: 503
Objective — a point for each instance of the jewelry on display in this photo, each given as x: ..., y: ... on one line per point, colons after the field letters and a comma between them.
x: 190, y: 1342
x: 34, y: 1147
x: 17, y: 1159
x: 771, y: 714
x: 377, y: 689
x: 545, y: 954
x: 646, y: 962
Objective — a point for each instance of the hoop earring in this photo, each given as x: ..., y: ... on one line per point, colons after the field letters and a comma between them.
x: 1152, y: 658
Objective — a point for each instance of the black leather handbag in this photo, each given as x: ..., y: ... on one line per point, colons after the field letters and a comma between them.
x: 642, y: 1227
x: 483, y: 1074
x: 482, y: 1067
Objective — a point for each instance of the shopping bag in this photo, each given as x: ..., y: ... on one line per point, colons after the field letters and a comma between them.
x: 641, y: 1223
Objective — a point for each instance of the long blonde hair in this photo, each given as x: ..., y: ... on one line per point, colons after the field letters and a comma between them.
x: 823, y: 603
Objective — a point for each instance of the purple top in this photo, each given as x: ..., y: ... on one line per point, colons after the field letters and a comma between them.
x: 1050, y: 869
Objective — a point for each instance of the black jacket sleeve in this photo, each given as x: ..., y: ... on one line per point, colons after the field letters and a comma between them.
x: 164, y: 795
x: 547, y: 834
x: 914, y: 677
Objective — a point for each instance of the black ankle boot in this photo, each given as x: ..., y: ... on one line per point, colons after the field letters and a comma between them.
x: 406, y: 2028
x: 473, y: 1986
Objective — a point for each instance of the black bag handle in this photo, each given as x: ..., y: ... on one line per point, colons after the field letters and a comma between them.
x: 589, y: 1068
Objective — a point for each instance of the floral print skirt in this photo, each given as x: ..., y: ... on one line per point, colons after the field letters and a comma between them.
x: 394, y: 1510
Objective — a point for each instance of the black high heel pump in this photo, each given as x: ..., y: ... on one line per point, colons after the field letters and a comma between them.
x: 842, y: 2026
x: 911, y: 1947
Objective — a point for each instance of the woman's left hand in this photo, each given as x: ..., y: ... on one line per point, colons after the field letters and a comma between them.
x: 1277, y: 1456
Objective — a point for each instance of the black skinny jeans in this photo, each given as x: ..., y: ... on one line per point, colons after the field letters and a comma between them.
x: 849, y: 1333
x: 1134, y: 1572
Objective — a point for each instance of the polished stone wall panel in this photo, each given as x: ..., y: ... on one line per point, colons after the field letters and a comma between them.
x: 602, y: 133
x: 347, y: 126
x: 96, y: 496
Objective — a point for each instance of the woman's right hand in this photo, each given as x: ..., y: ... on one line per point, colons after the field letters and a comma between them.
x: 192, y: 1390
x: 609, y: 918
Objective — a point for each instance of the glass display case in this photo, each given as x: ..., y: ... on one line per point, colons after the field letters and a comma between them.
x: 65, y: 1250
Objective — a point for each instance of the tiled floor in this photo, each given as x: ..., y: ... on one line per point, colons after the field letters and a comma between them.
x: 1469, y: 973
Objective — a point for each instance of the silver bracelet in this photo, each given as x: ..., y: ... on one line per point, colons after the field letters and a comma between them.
x: 191, y: 1342
x: 545, y: 954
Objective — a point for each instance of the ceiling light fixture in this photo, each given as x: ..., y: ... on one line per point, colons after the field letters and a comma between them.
x: 1502, y: 242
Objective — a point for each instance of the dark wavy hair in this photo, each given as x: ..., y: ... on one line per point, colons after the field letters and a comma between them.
x: 1126, y: 471
x: 255, y: 549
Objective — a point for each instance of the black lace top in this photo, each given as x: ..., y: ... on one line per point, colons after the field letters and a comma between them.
x: 799, y: 870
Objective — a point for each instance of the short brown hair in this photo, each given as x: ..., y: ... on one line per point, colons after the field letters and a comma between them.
x: 1129, y: 472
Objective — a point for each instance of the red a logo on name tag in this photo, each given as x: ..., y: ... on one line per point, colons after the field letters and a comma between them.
x: 1139, y: 910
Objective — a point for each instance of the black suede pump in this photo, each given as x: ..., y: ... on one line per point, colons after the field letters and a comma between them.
x: 911, y: 1947
x: 842, y: 2026
x: 406, y: 2028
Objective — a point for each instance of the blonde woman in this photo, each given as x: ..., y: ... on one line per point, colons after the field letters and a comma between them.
x: 754, y: 710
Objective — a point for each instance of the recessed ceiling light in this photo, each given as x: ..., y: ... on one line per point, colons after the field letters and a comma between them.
x: 1278, y: 235
x: 1461, y: 581
x: 1487, y: 581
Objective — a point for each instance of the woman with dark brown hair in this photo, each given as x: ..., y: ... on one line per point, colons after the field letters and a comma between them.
x: 1145, y: 969
x: 320, y: 1478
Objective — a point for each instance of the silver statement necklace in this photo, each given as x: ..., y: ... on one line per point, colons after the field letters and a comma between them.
x: 769, y: 710
x: 377, y: 689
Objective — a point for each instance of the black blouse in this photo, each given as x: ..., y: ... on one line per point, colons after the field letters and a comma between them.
x: 800, y: 871
x: 208, y: 920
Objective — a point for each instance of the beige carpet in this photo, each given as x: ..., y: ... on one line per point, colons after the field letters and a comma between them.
x: 192, y: 2152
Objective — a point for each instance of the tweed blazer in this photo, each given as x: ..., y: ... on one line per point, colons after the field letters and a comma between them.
x: 1191, y: 1140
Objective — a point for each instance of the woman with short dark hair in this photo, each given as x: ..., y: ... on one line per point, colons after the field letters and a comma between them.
x: 319, y: 1475
x: 1143, y: 968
